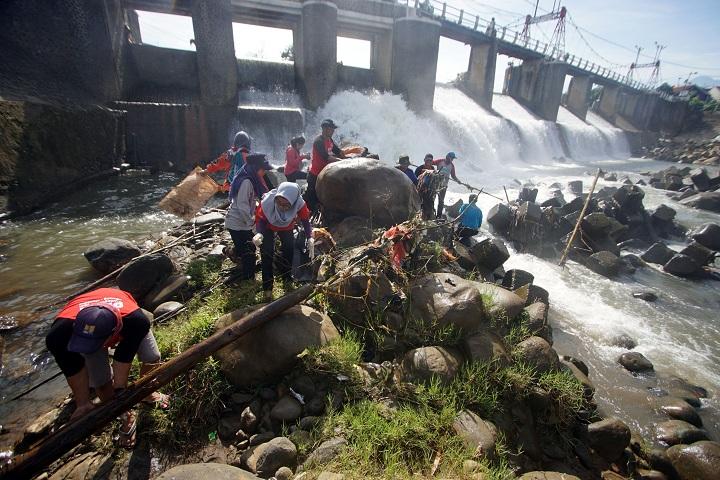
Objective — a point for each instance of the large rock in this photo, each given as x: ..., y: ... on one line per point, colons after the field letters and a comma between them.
x: 490, y: 253
x: 604, y: 263
x: 166, y: 308
x: 608, y: 438
x: 478, y: 435
x: 271, y: 350
x: 367, y: 188
x: 699, y: 461
x: 682, y: 266
x: 664, y: 213
x: 109, y: 254
x: 267, y: 458
x: 326, y: 452
x: 709, y: 236
x: 203, y: 471
x: 165, y: 290
x: 701, y: 254
x: 658, y: 253
x: 140, y: 276
x: 360, y: 294
x: 537, y: 313
x: 704, y: 201
x: 500, y: 217
x: 502, y: 302
x: 444, y: 299
x: 486, y: 347
x: 678, y: 409
x: 422, y: 364
x: 287, y: 410
x: 635, y: 362
x: 673, y: 432
x: 538, y: 353
x: 351, y: 232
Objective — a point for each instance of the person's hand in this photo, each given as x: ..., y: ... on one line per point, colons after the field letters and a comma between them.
x: 306, y: 156
x: 257, y: 239
x: 310, y: 245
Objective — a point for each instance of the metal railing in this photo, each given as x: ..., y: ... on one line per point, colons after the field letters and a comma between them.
x: 444, y: 12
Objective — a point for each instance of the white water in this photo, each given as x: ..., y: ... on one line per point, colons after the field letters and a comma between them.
x: 680, y: 333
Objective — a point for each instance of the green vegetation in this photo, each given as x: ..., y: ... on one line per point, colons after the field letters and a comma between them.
x: 203, y: 272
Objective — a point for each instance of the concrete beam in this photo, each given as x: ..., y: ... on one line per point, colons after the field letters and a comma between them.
x: 381, y: 60
x: 578, y: 96
x: 538, y: 85
x: 609, y: 103
x: 481, y: 72
x: 316, y: 52
x: 217, y: 66
x: 414, y: 60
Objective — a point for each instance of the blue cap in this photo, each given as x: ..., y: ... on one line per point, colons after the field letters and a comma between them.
x: 91, y: 329
x: 451, y: 155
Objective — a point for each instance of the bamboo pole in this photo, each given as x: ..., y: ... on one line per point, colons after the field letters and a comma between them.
x: 577, y: 224
x: 27, y: 464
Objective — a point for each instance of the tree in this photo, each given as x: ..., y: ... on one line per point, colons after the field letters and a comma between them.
x: 288, y: 54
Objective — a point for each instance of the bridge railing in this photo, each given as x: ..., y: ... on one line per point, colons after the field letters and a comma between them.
x: 448, y: 13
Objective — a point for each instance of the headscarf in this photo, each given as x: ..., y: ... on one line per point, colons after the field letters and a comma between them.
x: 290, y: 191
x: 248, y: 171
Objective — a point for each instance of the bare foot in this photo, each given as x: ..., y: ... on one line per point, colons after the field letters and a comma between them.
x: 158, y: 400
x: 128, y: 430
x: 81, y: 410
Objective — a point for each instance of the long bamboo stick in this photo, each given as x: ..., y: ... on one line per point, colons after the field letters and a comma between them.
x: 577, y: 224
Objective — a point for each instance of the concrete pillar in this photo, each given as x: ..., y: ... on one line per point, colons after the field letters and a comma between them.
x: 132, y: 26
x: 578, y: 96
x: 217, y: 65
x: 481, y: 72
x: 609, y: 101
x: 414, y: 60
x: 381, y: 60
x: 538, y: 85
x: 316, y: 64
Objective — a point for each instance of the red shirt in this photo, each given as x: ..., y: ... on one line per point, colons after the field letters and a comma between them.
x: 322, y: 149
x: 441, y: 161
x: 119, y: 299
x: 303, y: 214
x: 293, y: 160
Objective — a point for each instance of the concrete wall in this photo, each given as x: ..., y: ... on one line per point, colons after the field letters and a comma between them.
x: 538, y: 85
x: 271, y: 129
x: 47, y: 151
x: 316, y: 52
x: 354, y: 78
x: 266, y: 76
x: 578, y: 96
x: 480, y: 77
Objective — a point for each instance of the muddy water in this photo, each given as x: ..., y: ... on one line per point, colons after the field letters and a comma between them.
x: 41, y: 262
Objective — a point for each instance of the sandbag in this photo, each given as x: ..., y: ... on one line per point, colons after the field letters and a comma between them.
x: 188, y: 196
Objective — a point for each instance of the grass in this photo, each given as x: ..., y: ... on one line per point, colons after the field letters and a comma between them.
x: 337, y: 357
x: 203, y: 272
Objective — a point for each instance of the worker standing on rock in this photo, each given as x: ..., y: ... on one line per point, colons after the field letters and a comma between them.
x: 446, y: 170
x: 79, y: 340
x: 232, y: 160
x: 427, y: 165
x: 294, y: 160
x: 404, y: 166
x: 324, y: 151
x: 246, y: 190
x: 470, y: 218
x: 278, y: 213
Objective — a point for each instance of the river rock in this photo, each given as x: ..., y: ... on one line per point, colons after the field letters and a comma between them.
x: 212, y: 217
x: 283, y: 473
x: 500, y: 217
x: 634, y: 244
x: 249, y: 360
x: 516, y: 278
x: 681, y: 266
x: 489, y: 253
x: 422, y: 364
x: 504, y: 303
x: 447, y: 300
x: 647, y: 296
x: 351, y: 232
x: 664, y: 213
x: 575, y: 187
x: 326, y: 452
x: 538, y: 353
x: 701, y: 254
x: 635, y: 362
x: 673, y: 432
x: 609, y: 438
x: 709, y: 236
x: 286, y: 410
x: 88, y: 466
x: 267, y: 458
x: 228, y: 427
x: 369, y: 189
x: 658, y: 253
x: 704, y: 201
x: 248, y: 420
x: 537, y: 321
x: 537, y: 475
x: 623, y: 340
x: 143, y: 274
x: 358, y: 295
x: 699, y: 461
x: 478, y: 435
x: 604, y: 263
x: 165, y: 290
x: 108, y: 255
x: 678, y: 409
x: 486, y: 347
x: 581, y: 376
x: 167, y: 307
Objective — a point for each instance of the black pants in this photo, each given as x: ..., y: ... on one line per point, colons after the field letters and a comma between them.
x: 245, y: 251
x: 296, y: 175
x: 441, y: 202
x: 267, y: 256
x: 311, y: 197
x: 426, y: 202
x: 464, y: 232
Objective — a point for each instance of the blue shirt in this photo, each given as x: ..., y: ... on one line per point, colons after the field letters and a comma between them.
x: 471, y: 216
x: 410, y: 175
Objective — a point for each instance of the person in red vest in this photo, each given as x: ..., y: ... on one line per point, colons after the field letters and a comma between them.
x: 294, y: 160
x: 232, y: 160
x: 324, y: 152
x: 79, y: 340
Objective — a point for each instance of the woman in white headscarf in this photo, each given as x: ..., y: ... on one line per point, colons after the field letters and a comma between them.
x: 278, y: 213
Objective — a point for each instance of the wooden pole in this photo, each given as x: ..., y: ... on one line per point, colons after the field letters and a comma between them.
x: 507, y: 197
x: 577, y: 224
x: 25, y: 465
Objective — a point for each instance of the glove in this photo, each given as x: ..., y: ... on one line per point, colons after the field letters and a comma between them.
x: 310, y: 245
x: 257, y: 239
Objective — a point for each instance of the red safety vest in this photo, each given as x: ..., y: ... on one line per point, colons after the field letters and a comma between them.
x: 119, y: 299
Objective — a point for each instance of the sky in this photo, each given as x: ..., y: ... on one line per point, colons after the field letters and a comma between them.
x: 602, y: 31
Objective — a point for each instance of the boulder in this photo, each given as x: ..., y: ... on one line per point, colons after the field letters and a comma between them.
x: 143, y: 274
x: 699, y: 461
x: 267, y: 458
x: 228, y: 427
x: 575, y: 187
x: 208, y: 218
x: 700, y: 179
x: 503, y: 302
x: 167, y: 307
x: 609, y: 438
x: 701, y: 254
x: 478, y: 435
x: 634, y: 244
x: 623, y: 340
x: 326, y: 452
x: 658, y: 253
x: 490, y: 253
x: 604, y: 263
x: 422, y: 364
x: 673, y: 432
x: 664, y: 213
x: 360, y: 294
x: 516, y: 278
x: 369, y: 189
x: 629, y: 198
x: 284, y: 473
x: 647, y: 296
x: 203, y: 471
x: 271, y: 350
x: 165, y: 290
x: 588, y: 387
x: 635, y: 362
x: 108, y: 255
x: 286, y: 410
x: 500, y: 217
x: 351, y: 232
x: 678, y: 409
x: 538, y: 353
x: 445, y: 299
x: 708, y: 235
x: 596, y: 224
x: 537, y: 323
x: 682, y: 266
x: 704, y: 201
x: 486, y: 347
